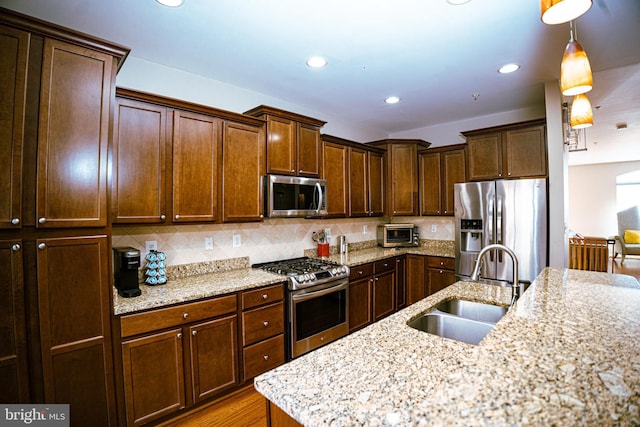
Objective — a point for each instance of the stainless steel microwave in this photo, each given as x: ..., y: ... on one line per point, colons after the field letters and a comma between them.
x: 397, y: 235
x: 292, y: 196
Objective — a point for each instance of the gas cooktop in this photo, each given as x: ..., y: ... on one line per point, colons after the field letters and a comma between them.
x: 306, y: 272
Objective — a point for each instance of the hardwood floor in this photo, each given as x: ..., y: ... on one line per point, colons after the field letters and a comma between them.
x: 631, y: 266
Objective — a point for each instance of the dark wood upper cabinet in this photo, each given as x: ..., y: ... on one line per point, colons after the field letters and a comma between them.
x: 337, y: 176
x: 294, y: 146
x: 139, y: 162
x: 517, y: 150
x: 14, y: 54
x: 243, y: 165
x: 401, y: 170
x: 13, y: 345
x: 440, y: 169
x: 73, y: 136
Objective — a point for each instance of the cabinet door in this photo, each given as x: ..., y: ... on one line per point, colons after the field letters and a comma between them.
x: 73, y: 300
x: 440, y: 279
x: 73, y: 134
x: 153, y: 376
x: 384, y: 294
x: 376, y: 183
x: 430, y: 186
x: 214, y: 357
x: 139, y: 176
x: 360, y: 303
x: 13, y: 341
x: 309, y: 150
x: 453, y: 171
x: 401, y: 287
x: 335, y: 172
x: 416, y: 275
x: 358, y: 187
x: 195, y: 167
x: 14, y: 52
x: 484, y: 156
x: 526, y: 152
x: 243, y: 165
x: 281, y: 146
x: 404, y: 180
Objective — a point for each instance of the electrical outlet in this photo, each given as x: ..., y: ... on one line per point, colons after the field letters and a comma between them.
x: 434, y: 228
x: 365, y: 229
x: 327, y: 235
x: 208, y: 243
x: 237, y: 241
x: 151, y: 245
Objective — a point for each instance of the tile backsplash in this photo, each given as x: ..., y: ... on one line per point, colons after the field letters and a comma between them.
x: 264, y: 241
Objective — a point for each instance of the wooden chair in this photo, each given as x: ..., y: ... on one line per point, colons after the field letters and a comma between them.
x: 588, y: 253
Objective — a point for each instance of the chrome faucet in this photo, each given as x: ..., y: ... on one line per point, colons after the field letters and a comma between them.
x: 478, y: 267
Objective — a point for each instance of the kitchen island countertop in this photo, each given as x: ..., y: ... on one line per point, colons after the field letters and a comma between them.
x: 567, y: 353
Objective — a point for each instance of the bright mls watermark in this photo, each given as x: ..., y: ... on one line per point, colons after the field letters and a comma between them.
x: 34, y: 415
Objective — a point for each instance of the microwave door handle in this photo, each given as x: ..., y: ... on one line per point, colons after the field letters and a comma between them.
x: 319, y: 187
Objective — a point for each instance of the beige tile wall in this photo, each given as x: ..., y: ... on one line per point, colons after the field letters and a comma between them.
x: 267, y: 241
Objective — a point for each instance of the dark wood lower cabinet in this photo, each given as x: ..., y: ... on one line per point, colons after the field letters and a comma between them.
x: 441, y: 273
x: 384, y: 288
x: 415, y: 278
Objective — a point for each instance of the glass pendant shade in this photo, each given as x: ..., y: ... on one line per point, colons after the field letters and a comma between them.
x: 581, y: 113
x: 559, y: 11
x: 575, y: 71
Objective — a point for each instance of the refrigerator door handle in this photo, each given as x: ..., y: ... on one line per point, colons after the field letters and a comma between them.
x: 499, y: 221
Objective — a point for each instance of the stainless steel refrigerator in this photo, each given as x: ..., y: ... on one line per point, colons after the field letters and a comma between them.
x: 510, y: 212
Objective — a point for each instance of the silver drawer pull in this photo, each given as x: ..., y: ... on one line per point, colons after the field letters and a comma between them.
x: 265, y: 357
x: 265, y: 296
x: 179, y: 335
x: 15, y: 247
x: 265, y: 323
x: 15, y: 221
x: 163, y: 217
x: 185, y: 315
x: 42, y: 220
x: 42, y: 246
x: 194, y: 333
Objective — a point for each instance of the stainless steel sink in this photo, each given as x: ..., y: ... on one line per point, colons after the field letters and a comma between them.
x: 452, y: 327
x: 460, y: 320
x: 473, y: 310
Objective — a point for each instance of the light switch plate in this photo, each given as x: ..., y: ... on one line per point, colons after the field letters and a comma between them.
x: 434, y: 228
x: 208, y: 243
x: 151, y: 245
x: 237, y: 241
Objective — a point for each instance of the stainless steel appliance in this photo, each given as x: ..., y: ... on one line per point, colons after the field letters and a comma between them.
x: 508, y: 212
x: 292, y: 196
x: 317, y: 302
x: 126, y: 262
x: 397, y: 235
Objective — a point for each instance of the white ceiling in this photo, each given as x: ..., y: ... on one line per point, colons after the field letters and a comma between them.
x: 431, y: 54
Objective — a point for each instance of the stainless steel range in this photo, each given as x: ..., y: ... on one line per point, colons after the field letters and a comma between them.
x: 317, y: 301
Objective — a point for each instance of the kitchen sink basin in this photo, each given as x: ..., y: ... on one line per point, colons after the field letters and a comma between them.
x: 452, y: 327
x: 473, y: 310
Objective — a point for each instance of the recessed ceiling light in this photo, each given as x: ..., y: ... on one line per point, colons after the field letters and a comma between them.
x: 171, y: 3
x: 316, y: 62
x: 508, y: 68
x: 392, y: 100
x: 457, y: 2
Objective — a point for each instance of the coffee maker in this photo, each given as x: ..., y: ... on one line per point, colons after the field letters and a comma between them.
x: 126, y: 261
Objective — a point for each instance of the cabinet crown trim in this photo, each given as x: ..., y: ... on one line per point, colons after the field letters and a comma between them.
x: 272, y: 111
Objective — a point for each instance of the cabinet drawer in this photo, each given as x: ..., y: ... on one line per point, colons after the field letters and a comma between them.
x: 444, y: 263
x: 262, y: 296
x: 140, y: 323
x: 384, y: 265
x: 262, y: 323
x: 265, y: 355
x: 360, y: 271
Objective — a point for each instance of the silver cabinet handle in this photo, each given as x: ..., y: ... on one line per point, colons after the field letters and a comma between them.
x: 42, y: 246
x: 42, y: 220
x: 265, y: 296
x: 179, y: 335
x: 265, y: 357
x: 265, y: 323
x: 177, y: 216
x: 185, y: 315
x: 163, y: 217
x: 15, y: 247
x: 15, y: 221
x: 194, y: 333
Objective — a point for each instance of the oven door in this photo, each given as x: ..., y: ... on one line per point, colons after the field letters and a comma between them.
x: 317, y: 316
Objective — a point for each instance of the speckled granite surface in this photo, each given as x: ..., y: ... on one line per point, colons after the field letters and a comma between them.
x: 568, y: 353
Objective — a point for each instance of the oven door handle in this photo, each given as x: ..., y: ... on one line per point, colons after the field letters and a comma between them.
x: 307, y: 296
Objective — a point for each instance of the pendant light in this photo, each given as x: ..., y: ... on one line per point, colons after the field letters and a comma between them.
x: 575, y: 71
x: 560, y: 11
x: 581, y: 113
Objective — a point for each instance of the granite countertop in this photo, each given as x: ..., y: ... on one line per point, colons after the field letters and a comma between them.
x: 443, y: 248
x: 567, y: 353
